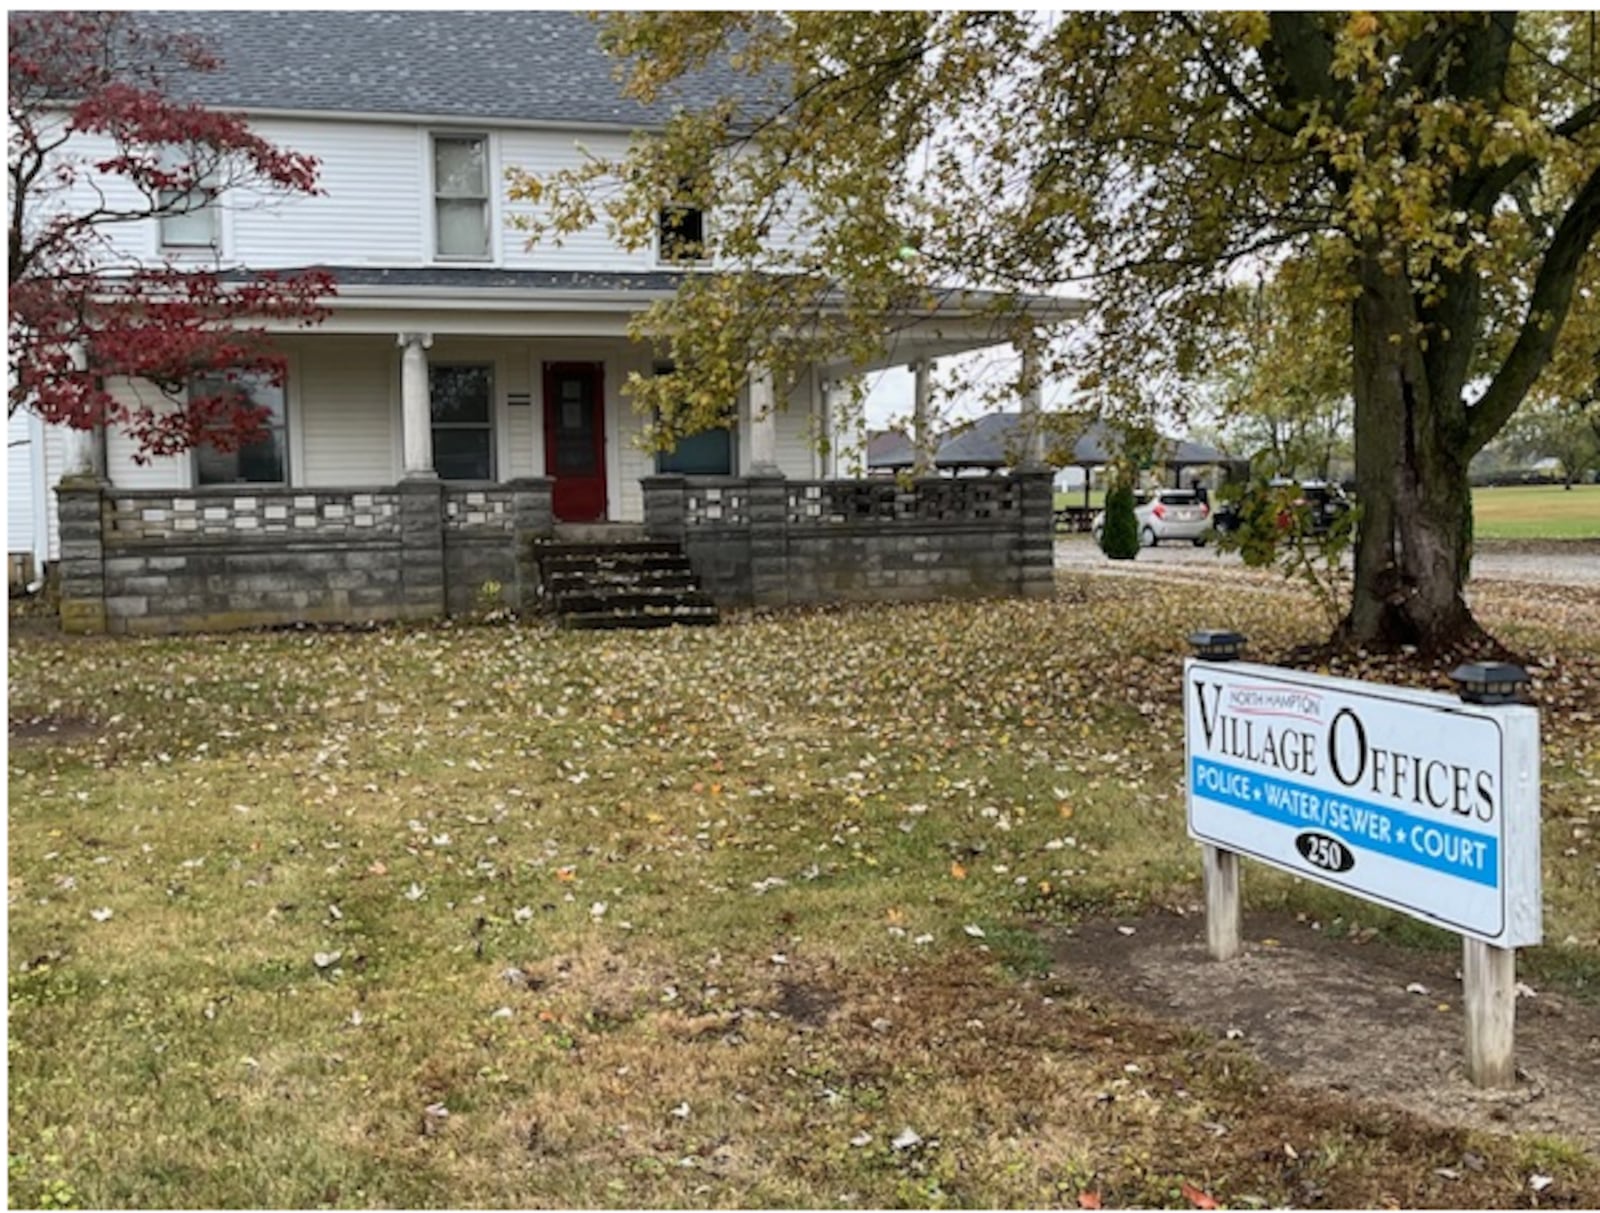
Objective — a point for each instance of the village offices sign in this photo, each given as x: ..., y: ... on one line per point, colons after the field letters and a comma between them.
x: 1412, y: 799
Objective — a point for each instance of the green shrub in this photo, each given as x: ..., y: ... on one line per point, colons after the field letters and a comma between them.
x: 1277, y: 526
x: 1119, y: 538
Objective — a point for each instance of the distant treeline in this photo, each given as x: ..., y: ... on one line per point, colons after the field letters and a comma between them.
x: 1508, y: 477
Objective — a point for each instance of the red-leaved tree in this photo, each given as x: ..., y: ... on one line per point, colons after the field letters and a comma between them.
x: 97, y: 145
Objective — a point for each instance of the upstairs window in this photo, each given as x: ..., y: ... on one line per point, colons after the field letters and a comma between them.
x: 461, y: 196
x: 683, y: 234
x: 681, y: 228
x: 260, y: 462
x: 188, y: 217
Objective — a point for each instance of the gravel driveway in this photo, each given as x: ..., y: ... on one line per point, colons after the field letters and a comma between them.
x: 1573, y: 562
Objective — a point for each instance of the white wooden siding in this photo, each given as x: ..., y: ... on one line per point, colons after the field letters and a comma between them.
x: 544, y: 152
x: 55, y: 463
x: 31, y: 482
x: 633, y: 462
x: 524, y: 428
x: 343, y: 413
x: 375, y: 207
x: 797, y: 432
x: 125, y: 241
x: 374, y: 210
x: 20, y: 513
x: 123, y: 468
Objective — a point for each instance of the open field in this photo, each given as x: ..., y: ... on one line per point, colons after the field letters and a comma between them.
x: 766, y: 914
x: 1537, y: 512
x: 1073, y: 498
x: 1516, y: 512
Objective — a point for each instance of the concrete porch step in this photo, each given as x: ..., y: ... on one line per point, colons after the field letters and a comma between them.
x: 580, y: 580
x: 626, y: 600
x: 642, y: 562
x: 553, y: 548
x: 599, y: 532
x: 597, y: 620
x: 626, y: 583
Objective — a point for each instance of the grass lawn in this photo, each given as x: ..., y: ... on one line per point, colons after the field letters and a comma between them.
x: 1537, y: 512
x: 1518, y: 512
x: 506, y: 916
x: 1073, y: 498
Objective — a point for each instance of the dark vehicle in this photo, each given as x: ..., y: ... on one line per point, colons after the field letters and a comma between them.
x: 1319, y: 503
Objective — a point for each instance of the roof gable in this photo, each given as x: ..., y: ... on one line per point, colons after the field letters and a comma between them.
x: 544, y: 67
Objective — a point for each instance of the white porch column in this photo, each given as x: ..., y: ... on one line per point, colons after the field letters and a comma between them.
x: 1032, y: 397
x: 921, y: 435
x: 416, y: 414
x: 763, y: 424
x: 78, y: 446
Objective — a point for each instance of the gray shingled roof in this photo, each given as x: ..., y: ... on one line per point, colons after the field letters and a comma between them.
x: 519, y: 66
x: 890, y: 449
x: 994, y: 440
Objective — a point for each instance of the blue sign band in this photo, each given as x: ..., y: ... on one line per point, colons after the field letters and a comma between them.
x: 1437, y: 846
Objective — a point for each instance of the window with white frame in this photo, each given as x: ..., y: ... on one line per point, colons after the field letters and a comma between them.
x: 461, y: 196
x: 706, y: 453
x: 189, y: 217
x: 681, y: 234
x: 461, y: 401
x: 681, y: 222
x: 264, y: 461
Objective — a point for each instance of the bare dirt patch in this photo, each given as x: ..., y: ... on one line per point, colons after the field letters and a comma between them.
x: 1338, y: 1016
x: 50, y: 728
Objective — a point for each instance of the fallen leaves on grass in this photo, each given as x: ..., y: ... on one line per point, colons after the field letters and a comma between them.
x: 488, y: 810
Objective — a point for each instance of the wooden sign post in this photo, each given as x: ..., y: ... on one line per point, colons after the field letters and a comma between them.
x: 1423, y: 802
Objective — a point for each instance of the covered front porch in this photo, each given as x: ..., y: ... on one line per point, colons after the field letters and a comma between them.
x: 425, y: 440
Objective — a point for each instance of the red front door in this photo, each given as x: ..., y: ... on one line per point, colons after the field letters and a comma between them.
x: 575, y: 438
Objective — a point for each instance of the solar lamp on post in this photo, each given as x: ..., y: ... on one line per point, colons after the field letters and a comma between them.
x: 1489, y: 682
x: 1214, y: 644
x: 1489, y: 973
x: 1224, y: 905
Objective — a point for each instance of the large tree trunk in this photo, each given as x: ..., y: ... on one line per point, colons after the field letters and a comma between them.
x: 1415, y: 528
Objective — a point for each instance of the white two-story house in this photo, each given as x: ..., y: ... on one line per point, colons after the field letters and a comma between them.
x: 455, y: 352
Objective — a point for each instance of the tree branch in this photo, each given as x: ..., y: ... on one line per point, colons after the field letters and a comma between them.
x: 1547, y: 312
x: 1231, y: 86
x: 1303, y: 53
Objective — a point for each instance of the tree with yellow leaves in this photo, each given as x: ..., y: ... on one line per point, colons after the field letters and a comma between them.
x: 1440, y: 170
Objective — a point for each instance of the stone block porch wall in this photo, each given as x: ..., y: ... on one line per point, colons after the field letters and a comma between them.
x: 162, y: 561
x: 777, y: 542
x: 159, y: 561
